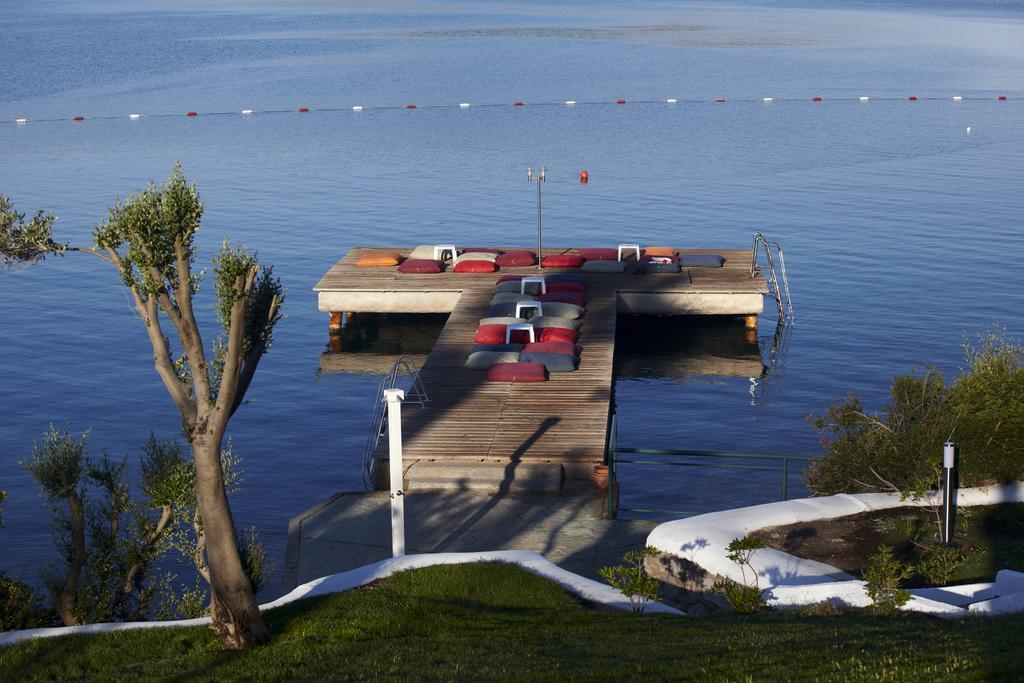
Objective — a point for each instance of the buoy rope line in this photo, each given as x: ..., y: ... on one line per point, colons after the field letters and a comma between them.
x: 466, y: 105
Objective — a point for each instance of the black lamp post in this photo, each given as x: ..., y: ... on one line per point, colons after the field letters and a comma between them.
x: 949, y: 489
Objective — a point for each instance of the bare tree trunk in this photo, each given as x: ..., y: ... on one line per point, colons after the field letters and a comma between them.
x: 68, y: 594
x: 233, y: 609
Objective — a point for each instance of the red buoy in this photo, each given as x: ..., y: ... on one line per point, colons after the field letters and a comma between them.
x: 410, y: 106
x: 1002, y: 98
x: 192, y: 113
x: 620, y: 101
x: 584, y: 177
x: 518, y: 104
x: 719, y: 100
x: 303, y: 109
x: 78, y: 118
x: 912, y: 98
x: 816, y: 98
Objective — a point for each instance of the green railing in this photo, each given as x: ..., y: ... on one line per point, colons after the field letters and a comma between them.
x: 657, y: 456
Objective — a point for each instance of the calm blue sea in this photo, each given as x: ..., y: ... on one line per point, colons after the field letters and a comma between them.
x: 901, y: 227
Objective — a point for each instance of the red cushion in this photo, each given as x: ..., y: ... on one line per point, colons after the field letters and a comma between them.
x: 562, y: 348
x: 475, y: 267
x: 517, y: 259
x: 490, y: 334
x: 556, y: 287
x: 563, y: 297
x: 562, y: 261
x: 557, y: 334
x: 481, y: 250
x: 600, y: 254
x: 417, y: 265
x: 520, y: 373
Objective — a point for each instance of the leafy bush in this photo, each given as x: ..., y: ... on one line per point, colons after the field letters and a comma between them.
x: 939, y: 563
x: 631, y: 578
x: 20, y: 607
x: 745, y: 597
x: 883, y: 575
x: 900, y: 528
x: 900, y: 448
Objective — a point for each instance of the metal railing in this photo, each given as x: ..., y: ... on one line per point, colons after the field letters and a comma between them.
x: 783, y: 297
x: 656, y: 456
x: 416, y: 393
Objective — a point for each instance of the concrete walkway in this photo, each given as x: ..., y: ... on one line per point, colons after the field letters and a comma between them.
x: 349, y: 530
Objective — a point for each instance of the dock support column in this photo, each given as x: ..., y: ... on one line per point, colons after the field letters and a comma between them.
x: 394, y: 398
x: 750, y: 321
x: 336, y: 322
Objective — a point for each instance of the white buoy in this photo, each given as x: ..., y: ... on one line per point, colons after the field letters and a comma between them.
x: 768, y: 99
x: 671, y: 100
x: 247, y: 111
x: 968, y: 130
x: 133, y: 116
x: 21, y: 122
x: 957, y: 98
x: 464, y: 105
x: 863, y: 99
x: 358, y: 107
x: 570, y: 102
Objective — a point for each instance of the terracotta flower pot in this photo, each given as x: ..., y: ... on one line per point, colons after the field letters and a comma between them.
x: 600, y: 477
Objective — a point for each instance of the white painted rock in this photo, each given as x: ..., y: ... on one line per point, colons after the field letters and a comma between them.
x: 848, y: 594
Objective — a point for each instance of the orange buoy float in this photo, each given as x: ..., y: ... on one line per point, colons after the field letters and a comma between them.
x: 518, y: 104
x: 912, y: 98
x: 620, y: 101
x: 303, y: 109
x: 584, y: 177
x: 192, y: 113
x: 78, y: 118
x: 410, y: 106
x: 719, y: 100
x: 1002, y: 98
x: 816, y: 98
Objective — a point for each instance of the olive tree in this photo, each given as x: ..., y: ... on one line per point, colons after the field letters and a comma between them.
x: 149, y: 240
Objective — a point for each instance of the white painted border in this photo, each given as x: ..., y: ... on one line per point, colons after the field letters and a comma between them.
x: 584, y: 588
x: 703, y: 540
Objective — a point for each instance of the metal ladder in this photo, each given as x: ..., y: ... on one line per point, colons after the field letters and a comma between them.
x: 403, y: 367
x: 783, y: 299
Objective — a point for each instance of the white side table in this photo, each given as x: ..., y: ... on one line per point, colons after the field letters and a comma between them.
x: 523, y: 305
x: 439, y: 250
x: 627, y: 247
x: 516, y: 327
x: 533, y: 281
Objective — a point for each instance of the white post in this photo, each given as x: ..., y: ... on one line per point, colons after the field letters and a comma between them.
x: 394, y: 397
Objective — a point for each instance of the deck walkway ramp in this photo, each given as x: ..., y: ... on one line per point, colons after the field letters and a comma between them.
x: 475, y: 433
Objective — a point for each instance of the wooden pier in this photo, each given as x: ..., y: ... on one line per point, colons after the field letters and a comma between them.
x: 475, y: 433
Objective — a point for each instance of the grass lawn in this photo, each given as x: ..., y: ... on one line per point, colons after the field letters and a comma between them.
x: 493, y: 621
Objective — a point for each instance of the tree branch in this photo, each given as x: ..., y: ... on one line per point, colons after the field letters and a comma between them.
x: 229, y: 378
x: 252, y: 360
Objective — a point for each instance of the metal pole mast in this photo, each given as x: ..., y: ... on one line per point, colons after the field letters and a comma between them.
x: 539, y: 178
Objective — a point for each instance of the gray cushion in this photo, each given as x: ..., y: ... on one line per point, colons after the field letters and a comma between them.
x: 562, y: 310
x: 554, y: 362
x: 552, y: 321
x: 648, y: 267
x: 506, y: 297
x: 514, y: 285
x: 509, y: 309
x: 566, y: 277
x: 501, y: 320
x: 481, y: 360
x: 496, y: 347
x: 476, y: 256
x: 703, y: 261
x: 604, y: 267
x: 425, y: 251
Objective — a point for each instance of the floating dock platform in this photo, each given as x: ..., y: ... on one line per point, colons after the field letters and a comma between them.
x: 476, y: 434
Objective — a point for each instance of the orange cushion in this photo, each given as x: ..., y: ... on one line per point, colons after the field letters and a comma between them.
x: 380, y: 258
x: 475, y: 267
x: 659, y: 251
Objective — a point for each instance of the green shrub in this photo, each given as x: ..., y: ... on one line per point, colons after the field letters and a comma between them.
x: 883, y: 575
x: 20, y: 607
x: 631, y: 578
x: 939, y: 563
x: 745, y: 597
x: 900, y: 448
x: 900, y: 528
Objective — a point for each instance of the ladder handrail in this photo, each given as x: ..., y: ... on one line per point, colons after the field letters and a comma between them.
x: 785, y: 309
x: 379, y: 417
